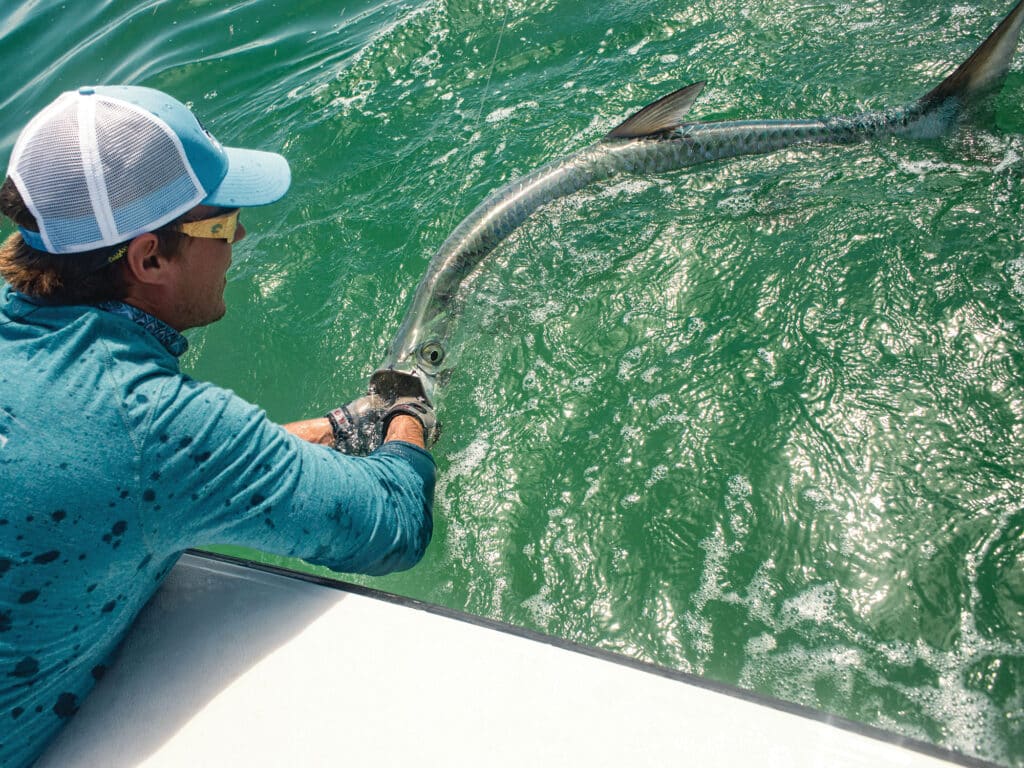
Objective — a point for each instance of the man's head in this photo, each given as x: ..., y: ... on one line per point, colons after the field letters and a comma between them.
x: 102, y: 171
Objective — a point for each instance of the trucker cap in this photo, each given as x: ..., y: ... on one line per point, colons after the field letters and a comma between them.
x: 103, y: 164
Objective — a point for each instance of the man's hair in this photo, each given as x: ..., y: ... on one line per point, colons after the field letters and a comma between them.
x: 89, y: 277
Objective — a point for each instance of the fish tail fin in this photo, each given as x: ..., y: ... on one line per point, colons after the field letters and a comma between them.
x: 985, y: 68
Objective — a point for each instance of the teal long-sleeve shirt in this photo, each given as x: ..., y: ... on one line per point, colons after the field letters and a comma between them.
x: 112, y: 463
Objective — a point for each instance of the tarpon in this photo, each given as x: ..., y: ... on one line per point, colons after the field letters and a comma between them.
x: 654, y: 140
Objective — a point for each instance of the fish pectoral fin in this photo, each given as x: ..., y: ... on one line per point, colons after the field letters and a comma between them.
x: 666, y: 114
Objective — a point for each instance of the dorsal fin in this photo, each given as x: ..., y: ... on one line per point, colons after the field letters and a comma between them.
x: 986, y: 66
x: 666, y: 114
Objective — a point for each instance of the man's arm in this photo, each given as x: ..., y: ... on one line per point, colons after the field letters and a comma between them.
x: 318, y: 431
x: 253, y: 485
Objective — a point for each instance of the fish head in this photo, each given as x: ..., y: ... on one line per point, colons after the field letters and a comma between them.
x: 422, y: 347
x: 427, y: 360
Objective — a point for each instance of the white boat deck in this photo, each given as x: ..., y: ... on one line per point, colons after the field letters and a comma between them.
x: 231, y: 665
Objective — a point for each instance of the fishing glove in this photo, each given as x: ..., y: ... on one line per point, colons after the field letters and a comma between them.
x: 421, y: 410
x: 359, y: 426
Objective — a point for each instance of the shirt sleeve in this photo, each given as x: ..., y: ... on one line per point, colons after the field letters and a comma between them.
x: 215, y: 470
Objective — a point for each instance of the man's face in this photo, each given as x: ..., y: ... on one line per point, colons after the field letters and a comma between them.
x: 201, y: 269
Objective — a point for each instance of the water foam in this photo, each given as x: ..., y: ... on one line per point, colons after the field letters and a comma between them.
x: 504, y: 113
x: 1015, y: 270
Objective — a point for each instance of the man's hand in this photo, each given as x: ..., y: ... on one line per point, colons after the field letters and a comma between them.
x: 420, y: 409
x: 396, y: 408
x: 358, y: 428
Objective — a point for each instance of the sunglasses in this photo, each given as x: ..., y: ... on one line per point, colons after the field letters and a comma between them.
x: 220, y: 227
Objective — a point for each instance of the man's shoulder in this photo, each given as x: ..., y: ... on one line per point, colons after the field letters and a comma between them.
x: 57, y: 327
x: 199, y: 410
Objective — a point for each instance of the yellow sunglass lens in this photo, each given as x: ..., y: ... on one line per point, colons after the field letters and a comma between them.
x: 221, y: 227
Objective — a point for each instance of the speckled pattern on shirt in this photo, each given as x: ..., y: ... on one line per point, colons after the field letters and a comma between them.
x: 112, y: 462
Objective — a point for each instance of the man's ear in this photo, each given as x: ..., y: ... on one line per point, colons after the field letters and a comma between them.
x: 144, y: 261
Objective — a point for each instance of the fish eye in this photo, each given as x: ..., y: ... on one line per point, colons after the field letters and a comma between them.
x: 432, y: 352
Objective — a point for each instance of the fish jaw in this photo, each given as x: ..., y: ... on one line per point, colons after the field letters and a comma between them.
x: 392, y: 383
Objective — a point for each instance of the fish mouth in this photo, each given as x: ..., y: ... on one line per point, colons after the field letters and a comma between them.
x: 393, y: 383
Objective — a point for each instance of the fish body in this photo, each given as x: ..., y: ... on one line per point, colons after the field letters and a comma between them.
x: 655, y: 140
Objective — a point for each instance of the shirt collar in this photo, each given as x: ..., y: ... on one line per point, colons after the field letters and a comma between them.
x: 173, y: 341
x: 19, y: 304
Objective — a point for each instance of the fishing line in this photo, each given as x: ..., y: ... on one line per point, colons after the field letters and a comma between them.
x: 494, y: 64
x: 479, y: 117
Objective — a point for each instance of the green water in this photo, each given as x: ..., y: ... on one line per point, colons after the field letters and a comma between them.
x: 760, y: 420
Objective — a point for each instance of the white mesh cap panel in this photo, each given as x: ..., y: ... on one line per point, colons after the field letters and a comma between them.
x: 59, y: 200
x: 105, y: 163
x: 144, y: 169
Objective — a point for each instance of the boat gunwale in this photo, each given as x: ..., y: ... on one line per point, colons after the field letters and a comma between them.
x: 688, y: 678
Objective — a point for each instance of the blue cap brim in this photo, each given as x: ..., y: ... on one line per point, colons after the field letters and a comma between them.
x: 253, y: 178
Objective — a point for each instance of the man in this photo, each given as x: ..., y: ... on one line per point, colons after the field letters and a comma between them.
x: 111, y: 461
